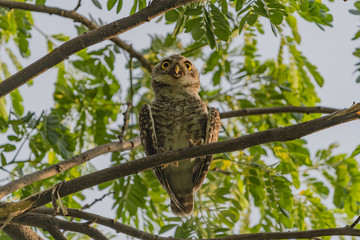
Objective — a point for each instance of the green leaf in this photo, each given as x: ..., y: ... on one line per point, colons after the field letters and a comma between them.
x: 222, y: 34
x: 355, y: 12
x: 238, y: 5
x: 119, y: 6
x: 3, y: 160
x: 167, y: 228
x: 193, y: 11
x: 13, y: 138
x: 304, y: 6
x: 3, y: 112
x: 111, y: 4
x: 356, y: 151
x: 17, y: 101
x: 97, y: 4
x: 172, y: 16
x: 61, y: 37
x: 242, y: 22
x: 251, y: 19
x: 8, y: 147
x: 23, y: 45
x: 134, y: 7
x: 40, y: 2
x: 276, y: 17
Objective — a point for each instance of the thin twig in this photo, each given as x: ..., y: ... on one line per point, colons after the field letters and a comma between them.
x: 271, y: 110
x: 126, y: 122
x: 354, y: 223
x: 86, y: 206
x: 77, y: 6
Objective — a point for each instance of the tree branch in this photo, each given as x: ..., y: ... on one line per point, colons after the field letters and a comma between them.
x: 156, y: 8
x: 278, y: 134
x: 67, y: 164
x: 48, y: 222
x: 119, y: 227
x: 77, y: 18
x: 17, y: 232
x: 283, y: 109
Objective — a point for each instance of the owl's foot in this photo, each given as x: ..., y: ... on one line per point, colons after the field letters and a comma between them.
x: 200, y: 141
x: 161, y: 150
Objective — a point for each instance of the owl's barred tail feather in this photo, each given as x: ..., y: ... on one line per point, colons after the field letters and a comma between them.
x: 183, y: 206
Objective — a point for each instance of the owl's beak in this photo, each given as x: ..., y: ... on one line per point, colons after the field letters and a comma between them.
x: 176, y: 71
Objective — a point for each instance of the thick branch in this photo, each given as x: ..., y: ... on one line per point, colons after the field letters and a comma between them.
x: 67, y: 164
x: 21, y: 233
x: 283, y: 109
x: 77, y: 18
x: 48, y: 222
x: 278, y: 134
x: 118, y: 227
x: 156, y: 8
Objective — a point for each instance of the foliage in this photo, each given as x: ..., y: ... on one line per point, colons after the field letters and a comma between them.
x: 273, y: 187
x: 356, y: 53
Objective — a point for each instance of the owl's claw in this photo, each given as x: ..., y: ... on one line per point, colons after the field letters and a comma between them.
x: 200, y: 141
x: 161, y: 150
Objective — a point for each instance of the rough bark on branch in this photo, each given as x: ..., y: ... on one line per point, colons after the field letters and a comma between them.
x: 67, y: 164
x: 278, y: 134
x: 48, y: 222
x: 118, y: 227
x: 29, y: 218
x: 117, y: 147
x: 283, y: 109
x: 20, y: 232
x: 156, y: 8
x: 77, y: 18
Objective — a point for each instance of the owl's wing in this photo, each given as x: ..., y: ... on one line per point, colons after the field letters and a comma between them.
x: 149, y: 143
x: 201, y: 168
x: 147, y: 130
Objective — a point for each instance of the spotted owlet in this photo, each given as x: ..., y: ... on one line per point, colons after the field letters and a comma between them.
x: 178, y: 118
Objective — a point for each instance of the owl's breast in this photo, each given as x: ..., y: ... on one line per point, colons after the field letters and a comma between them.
x: 178, y: 121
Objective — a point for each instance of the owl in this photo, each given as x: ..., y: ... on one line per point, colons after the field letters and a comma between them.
x: 178, y: 118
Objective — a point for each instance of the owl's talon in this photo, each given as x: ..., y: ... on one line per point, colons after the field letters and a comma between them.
x: 200, y: 141
x: 160, y: 150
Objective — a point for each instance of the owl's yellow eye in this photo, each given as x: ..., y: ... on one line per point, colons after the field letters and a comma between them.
x: 165, y: 64
x: 188, y: 65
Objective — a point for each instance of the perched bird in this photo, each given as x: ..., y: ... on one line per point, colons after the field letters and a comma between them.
x: 178, y: 118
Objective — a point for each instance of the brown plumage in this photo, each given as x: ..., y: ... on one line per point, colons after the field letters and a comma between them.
x: 178, y: 118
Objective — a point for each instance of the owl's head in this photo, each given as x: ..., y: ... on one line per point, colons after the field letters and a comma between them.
x: 175, y: 72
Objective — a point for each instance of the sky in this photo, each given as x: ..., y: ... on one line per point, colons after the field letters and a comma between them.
x: 329, y: 50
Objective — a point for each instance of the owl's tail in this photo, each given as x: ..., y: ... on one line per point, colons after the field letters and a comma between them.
x: 183, y: 206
